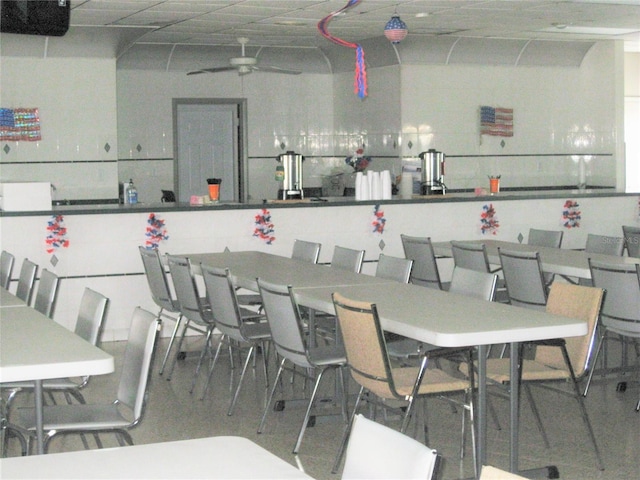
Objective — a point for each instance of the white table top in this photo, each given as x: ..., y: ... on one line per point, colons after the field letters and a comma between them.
x: 446, y: 319
x: 34, y: 347
x: 215, y: 458
x: 8, y: 299
x: 245, y: 267
x: 572, y: 263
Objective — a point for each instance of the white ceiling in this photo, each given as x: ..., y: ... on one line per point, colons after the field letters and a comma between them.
x: 293, y: 23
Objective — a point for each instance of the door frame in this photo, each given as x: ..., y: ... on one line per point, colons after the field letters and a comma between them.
x: 241, y: 141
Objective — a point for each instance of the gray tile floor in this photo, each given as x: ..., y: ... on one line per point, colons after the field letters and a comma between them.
x: 174, y: 414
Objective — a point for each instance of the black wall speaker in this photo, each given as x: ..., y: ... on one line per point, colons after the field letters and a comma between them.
x: 35, y: 17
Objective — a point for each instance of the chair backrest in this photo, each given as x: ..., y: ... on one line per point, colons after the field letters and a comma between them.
x: 306, y: 251
x: 394, y: 268
x: 425, y: 267
x: 365, y: 346
x: 473, y: 283
x: 632, y: 240
x: 604, y: 244
x: 221, y: 294
x: 347, y: 259
x: 545, y: 238
x: 91, y: 316
x: 157, y: 279
x: 579, y: 302
x: 523, y: 276
x: 472, y: 256
x: 28, y: 271
x: 187, y: 293
x: 6, y: 268
x: 621, y: 307
x: 138, y: 360
x: 283, y: 317
x: 377, y: 451
x: 47, y: 293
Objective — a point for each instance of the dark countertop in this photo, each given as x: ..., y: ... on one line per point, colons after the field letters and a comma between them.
x: 113, y: 208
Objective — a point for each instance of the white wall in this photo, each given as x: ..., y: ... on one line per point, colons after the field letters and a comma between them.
x: 76, y: 98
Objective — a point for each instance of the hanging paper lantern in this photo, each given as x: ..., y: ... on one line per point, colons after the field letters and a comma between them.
x: 395, y: 30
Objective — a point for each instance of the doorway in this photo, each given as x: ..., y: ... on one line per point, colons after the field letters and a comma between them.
x: 209, y: 142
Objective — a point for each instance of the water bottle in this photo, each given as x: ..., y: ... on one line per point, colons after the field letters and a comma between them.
x: 132, y: 193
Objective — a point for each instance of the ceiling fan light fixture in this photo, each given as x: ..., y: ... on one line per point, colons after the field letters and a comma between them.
x: 395, y: 30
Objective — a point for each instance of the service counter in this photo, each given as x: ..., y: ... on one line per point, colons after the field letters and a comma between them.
x: 97, y: 245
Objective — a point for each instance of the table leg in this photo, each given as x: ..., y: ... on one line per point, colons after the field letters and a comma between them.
x: 481, y: 414
x: 514, y: 401
x: 37, y: 393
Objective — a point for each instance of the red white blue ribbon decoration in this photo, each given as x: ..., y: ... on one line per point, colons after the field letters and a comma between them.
x: 155, y: 232
x: 360, y: 80
x: 57, y: 234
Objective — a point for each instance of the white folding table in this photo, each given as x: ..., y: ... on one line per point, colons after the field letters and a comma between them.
x: 562, y: 261
x: 35, y: 348
x: 213, y: 457
x: 449, y: 320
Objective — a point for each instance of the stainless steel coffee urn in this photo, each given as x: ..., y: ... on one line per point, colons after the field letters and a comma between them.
x: 432, y: 173
x: 290, y: 172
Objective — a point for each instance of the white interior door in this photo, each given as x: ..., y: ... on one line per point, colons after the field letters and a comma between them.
x: 207, y: 147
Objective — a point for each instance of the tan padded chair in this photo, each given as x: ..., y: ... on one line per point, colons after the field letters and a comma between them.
x: 371, y: 369
x: 560, y: 360
x: 376, y: 451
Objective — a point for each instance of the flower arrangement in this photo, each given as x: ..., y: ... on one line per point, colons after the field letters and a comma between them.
x: 358, y: 162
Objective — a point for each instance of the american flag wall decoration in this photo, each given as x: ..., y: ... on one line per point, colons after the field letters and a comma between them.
x: 496, y: 121
x: 20, y: 124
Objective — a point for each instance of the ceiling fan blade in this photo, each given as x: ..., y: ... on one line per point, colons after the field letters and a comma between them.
x: 272, y: 69
x: 211, y: 70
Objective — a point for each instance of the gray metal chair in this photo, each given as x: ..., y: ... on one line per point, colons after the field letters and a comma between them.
x: 377, y: 451
x: 26, y: 281
x: 162, y: 296
x: 239, y: 326
x: 394, y: 268
x: 545, y: 238
x: 7, y: 261
x: 91, y: 315
x: 473, y: 256
x: 602, y: 244
x: 293, y: 347
x: 524, y: 279
x: 425, y: 266
x: 631, y: 240
x: 306, y: 251
x: 117, y: 417
x: 621, y: 309
x: 347, y: 259
x: 193, y: 307
x: 47, y: 293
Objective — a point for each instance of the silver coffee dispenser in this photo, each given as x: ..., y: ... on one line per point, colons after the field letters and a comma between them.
x: 290, y: 172
x: 432, y: 173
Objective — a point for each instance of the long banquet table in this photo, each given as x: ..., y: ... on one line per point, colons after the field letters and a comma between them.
x: 35, y: 348
x: 214, y: 457
x: 421, y: 313
x: 570, y: 263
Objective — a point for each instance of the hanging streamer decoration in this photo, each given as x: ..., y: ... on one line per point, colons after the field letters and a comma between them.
x: 155, y: 232
x: 360, y: 80
x: 57, y: 234
x: 378, y: 221
x: 571, y: 214
x: 263, y: 227
x: 488, y: 221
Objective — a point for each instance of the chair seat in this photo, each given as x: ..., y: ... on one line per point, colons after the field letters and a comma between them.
x: 434, y: 381
x: 327, y: 355
x: 74, y: 417
x: 257, y: 331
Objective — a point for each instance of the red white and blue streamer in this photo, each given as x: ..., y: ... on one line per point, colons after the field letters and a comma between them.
x: 57, y: 234
x: 263, y: 227
x: 155, y: 233
x: 379, y: 221
x: 571, y: 214
x: 360, y: 79
x: 488, y: 221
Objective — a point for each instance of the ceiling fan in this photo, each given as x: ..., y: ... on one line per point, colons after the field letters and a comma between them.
x: 245, y: 65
